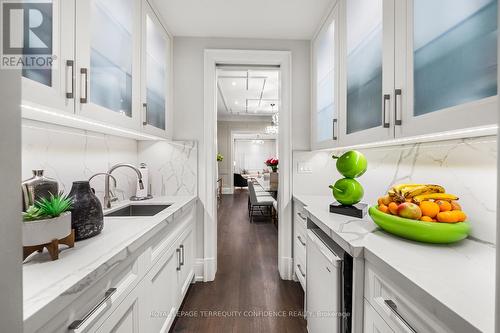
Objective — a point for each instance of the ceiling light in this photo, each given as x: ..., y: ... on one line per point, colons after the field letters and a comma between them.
x: 233, y: 83
x: 236, y: 102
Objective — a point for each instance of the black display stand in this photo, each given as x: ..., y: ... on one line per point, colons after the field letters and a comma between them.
x: 358, y: 210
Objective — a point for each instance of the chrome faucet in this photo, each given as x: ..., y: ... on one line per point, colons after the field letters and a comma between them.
x: 111, y: 195
x: 107, y: 197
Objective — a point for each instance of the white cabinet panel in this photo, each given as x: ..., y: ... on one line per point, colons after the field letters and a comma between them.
x: 186, y: 267
x: 373, y: 323
x: 446, y: 65
x: 156, y: 74
x: 108, y: 58
x: 160, y: 303
x: 53, y: 87
x: 367, y: 71
x: 325, y: 67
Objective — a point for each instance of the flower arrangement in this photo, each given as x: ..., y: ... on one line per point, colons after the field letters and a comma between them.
x: 48, y: 208
x: 220, y: 158
x: 272, y: 163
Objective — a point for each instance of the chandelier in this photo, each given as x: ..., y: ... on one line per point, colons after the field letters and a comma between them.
x: 274, y: 127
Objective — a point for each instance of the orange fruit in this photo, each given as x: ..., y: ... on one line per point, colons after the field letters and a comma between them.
x: 444, y: 206
x: 429, y: 208
x: 383, y: 208
x: 455, y: 206
x: 426, y: 219
x: 393, y: 208
x: 459, y: 215
x: 447, y: 217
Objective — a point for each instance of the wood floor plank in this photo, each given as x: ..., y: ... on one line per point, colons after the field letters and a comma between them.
x: 247, y: 283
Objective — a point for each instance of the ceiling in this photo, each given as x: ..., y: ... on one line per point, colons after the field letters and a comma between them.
x: 277, y: 19
x: 247, y: 92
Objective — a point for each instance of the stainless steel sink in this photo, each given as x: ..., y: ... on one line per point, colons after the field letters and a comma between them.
x: 137, y: 210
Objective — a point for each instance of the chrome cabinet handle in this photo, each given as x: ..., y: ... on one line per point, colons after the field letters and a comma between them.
x: 83, y: 85
x: 334, y: 137
x: 182, y: 254
x: 300, y: 270
x: 78, y: 323
x: 301, y: 216
x: 397, y: 107
x: 71, y: 78
x: 301, y: 241
x: 145, y: 114
x: 178, y: 259
x: 387, y: 100
x: 394, y: 309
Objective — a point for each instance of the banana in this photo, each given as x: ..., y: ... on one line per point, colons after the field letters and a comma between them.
x: 435, y: 196
x: 396, y: 192
x: 424, y: 189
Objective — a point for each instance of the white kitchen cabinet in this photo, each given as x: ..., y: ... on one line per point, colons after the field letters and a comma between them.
x: 156, y: 75
x: 53, y: 87
x: 446, y: 65
x: 325, y: 93
x: 373, y: 323
x: 108, y: 61
x: 186, y: 268
x: 409, y: 68
x: 142, y: 292
x: 366, y: 71
x: 125, y: 319
x: 160, y: 306
x: 299, y: 242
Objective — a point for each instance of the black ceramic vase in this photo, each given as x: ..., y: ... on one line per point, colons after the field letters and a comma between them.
x: 86, y: 213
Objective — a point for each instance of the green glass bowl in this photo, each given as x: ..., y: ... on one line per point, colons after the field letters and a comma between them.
x: 427, y: 232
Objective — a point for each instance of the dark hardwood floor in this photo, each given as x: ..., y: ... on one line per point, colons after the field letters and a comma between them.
x: 247, y: 289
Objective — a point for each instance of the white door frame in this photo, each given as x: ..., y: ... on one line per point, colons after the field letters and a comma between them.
x: 208, y: 176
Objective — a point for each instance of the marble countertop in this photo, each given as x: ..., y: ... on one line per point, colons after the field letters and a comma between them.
x: 460, y: 276
x: 45, y: 281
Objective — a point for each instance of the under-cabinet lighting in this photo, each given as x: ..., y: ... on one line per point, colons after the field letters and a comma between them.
x: 442, y: 136
x: 96, y: 126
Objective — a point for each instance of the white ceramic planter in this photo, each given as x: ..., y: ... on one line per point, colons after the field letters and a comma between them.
x: 44, y: 231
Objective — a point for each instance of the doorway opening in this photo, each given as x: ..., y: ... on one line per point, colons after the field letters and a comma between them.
x: 248, y: 134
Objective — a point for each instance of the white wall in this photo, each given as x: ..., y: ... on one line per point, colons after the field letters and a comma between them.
x: 188, y: 84
x: 224, y: 129
x: 251, y: 156
x: 466, y: 168
x: 11, y: 299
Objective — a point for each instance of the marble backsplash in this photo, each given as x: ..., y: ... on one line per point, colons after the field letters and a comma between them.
x: 464, y: 167
x: 69, y: 154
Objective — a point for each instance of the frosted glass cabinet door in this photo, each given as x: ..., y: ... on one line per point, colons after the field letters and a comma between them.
x: 451, y: 68
x: 108, y: 52
x: 368, y: 63
x: 325, y: 57
x: 52, y: 85
x: 155, y: 73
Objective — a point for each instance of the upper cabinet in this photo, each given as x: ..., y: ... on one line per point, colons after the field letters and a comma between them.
x: 408, y: 68
x: 325, y: 66
x: 156, y: 74
x: 51, y: 86
x: 114, y: 65
x: 108, y: 58
x: 446, y: 65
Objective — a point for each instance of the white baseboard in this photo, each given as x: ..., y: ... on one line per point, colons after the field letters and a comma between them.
x: 209, y: 269
x: 286, y: 268
x: 198, y: 270
x: 227, y: 190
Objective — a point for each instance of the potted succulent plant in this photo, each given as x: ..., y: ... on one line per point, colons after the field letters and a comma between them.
x: 48, y: 219
x: 220, y: 158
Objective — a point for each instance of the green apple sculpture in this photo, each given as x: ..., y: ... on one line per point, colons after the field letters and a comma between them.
x: 351, y: 164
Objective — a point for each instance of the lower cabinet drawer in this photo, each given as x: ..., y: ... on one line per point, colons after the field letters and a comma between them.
x: 300, y: 272
x: 373, y: 323
x: 398, y: 310
x: 96, y: 302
